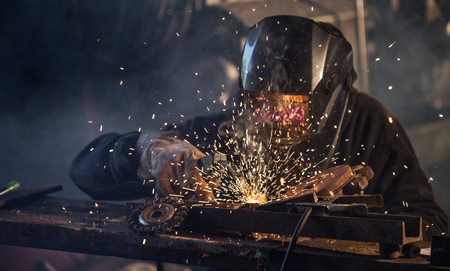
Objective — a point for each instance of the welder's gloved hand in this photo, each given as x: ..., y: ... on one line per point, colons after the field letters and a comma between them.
x: 173, y: 162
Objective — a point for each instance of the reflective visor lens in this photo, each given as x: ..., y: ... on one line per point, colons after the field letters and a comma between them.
x: 289, y: 114
x: 284, y: 113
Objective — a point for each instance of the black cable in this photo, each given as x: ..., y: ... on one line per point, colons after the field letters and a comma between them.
x: 295, y: 235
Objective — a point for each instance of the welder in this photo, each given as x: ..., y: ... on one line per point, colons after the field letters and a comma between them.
x: 297, y: 80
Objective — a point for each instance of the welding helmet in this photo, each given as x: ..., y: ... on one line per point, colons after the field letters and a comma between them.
x: 295, y: 75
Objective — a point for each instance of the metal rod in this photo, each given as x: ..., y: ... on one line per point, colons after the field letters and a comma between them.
x: 294, y: 238
x: 362, y: 49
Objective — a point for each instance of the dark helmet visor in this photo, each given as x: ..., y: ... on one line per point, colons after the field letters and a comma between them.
x: 292, y: 73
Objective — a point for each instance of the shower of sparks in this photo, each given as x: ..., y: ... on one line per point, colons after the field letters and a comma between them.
x: 258, y: 171
x: 251, y: 179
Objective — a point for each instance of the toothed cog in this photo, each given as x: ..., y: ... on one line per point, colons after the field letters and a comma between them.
x: 158, y: 216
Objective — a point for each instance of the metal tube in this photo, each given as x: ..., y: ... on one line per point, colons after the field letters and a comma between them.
x: 362, y: 49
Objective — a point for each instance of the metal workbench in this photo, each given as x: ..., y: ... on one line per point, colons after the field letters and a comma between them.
x: 101, y: 229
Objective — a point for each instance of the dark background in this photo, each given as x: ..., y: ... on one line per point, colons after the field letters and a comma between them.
x: 62, y: 64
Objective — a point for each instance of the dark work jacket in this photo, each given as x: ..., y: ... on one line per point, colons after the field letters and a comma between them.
x: 106, y: 169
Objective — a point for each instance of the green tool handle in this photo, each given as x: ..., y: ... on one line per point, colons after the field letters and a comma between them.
x: 11, y: 186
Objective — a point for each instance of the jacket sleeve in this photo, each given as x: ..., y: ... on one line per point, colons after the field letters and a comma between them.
x: 205, y: 132
x: 106, y: 169
x: 374, y: 137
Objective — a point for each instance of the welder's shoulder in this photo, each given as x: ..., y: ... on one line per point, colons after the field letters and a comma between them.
x: 370, y: 105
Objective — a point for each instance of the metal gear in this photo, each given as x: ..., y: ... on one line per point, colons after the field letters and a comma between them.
x: 157, y: 216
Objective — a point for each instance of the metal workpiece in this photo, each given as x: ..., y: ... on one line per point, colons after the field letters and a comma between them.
x: 354, y: 210
x: 101, y: 228
x: 330, y: 214
x: 371, y: 201
x: 388, y: 229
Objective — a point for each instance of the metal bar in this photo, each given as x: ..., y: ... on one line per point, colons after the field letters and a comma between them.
x: 355, y: 210
x: 362, y: 45
x: 378, y: 230
x: 372, y: 201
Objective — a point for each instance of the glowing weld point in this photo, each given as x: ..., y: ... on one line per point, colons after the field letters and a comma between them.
x: 390, y: 120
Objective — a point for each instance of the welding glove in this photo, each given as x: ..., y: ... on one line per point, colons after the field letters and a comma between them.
x: 173, y: 162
